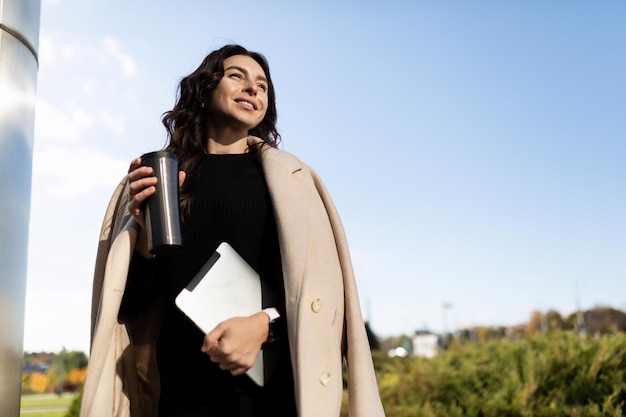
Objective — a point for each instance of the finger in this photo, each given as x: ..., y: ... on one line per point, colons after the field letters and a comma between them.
x: 134, y: 164
x: 142, y: 188
x: 211, y: 341
x: 181, y: 178
x: 228, y: 366
x: 238, y: 371
x: 218, y: 359
x: 137, y: 201
x: 139, y: 173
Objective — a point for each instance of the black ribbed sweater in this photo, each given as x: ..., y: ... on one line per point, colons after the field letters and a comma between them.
x: 230, y: 203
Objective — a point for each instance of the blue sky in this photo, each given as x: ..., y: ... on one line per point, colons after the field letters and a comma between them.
x: 475, y: 150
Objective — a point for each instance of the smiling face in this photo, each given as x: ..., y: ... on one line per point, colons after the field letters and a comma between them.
x: 239, y: 102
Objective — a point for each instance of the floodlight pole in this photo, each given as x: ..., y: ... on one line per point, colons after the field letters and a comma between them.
x: 444, y: 321
x: 19, y: 40
x: 580, y: 318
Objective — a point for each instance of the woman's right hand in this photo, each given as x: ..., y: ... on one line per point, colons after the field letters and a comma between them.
x: 142, y: 185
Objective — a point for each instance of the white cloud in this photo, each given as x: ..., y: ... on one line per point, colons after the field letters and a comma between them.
x: 131, y: 96
x: 69, y: 52
x: 87, y: 86
x: 47, y: 51
x: 113, y: 47
x: 74, y: 170
x: 52, y: 48
x: 62, y: 125
x: 114, y: 123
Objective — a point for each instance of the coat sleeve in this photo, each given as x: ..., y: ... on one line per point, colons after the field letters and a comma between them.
x: 114, y: 216
x: 107, y: 390
x: 363, y: 394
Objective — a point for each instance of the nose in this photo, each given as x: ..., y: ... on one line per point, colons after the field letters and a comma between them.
x: 250, y: 87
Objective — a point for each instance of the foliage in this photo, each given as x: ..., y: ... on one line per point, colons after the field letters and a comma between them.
x: 371, y: 337
x: 77, y: 376
x: 74, y: 409
x: 49, y: 372
x: 556, y: 374
x: 39, y: 382
x: 74, y: 359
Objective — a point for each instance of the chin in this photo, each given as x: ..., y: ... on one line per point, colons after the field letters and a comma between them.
x: 250, y: 125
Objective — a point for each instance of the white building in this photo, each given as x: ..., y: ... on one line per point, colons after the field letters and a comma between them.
x: 425, y: 343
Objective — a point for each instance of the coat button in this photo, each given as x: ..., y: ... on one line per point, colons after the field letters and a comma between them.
x: 325, y: 379
x: 316, y: 305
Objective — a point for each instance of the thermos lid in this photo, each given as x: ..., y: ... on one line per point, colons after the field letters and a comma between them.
x: 159, y: 154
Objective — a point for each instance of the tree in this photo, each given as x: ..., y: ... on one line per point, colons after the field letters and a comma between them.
x: 39, y: 382
x: 535, y: 323
x: 75, y: 359
x: 603, y: 320
x: 555, y: 321
x: 371, y: 337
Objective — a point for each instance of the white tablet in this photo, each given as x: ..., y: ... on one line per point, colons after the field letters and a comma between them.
x: 225, y: 287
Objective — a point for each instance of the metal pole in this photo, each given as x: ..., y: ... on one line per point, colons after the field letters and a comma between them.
x: 580, y: 318
x: 19, y: 39
x: 446, y: 336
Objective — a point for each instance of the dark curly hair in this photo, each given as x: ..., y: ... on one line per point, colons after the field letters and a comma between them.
x: 187, y: 122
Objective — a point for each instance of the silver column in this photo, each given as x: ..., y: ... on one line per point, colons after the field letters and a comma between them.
x: 19, y: 39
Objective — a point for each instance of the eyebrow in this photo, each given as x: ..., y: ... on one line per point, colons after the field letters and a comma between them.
x: 245, y: 71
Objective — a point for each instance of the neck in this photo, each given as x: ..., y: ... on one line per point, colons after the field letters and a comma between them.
x: 233, y: 144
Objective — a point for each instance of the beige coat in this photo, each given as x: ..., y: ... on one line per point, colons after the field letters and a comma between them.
x: 322, y: 306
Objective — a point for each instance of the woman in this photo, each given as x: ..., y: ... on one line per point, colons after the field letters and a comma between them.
x: 147, y: 358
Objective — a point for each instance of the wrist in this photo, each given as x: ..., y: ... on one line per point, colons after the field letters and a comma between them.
x: 274, y: 316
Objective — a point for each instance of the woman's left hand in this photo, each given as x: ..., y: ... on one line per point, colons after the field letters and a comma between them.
x: 235, y: 343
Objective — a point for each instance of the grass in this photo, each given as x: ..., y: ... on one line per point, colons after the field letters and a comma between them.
x: 45, y: 405
x: 57, y: 413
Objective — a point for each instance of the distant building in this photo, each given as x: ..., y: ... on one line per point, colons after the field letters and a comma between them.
x: 425, y: 343
x: 41, y: 368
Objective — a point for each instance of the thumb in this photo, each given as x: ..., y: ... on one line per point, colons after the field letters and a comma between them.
x: 181, y: 177
x: 211, y: 340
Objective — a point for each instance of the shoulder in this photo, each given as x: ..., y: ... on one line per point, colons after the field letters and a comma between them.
x: 276, y: 157
x: 279, y: 162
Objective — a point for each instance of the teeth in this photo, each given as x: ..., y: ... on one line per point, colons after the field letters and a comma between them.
x: 246, y: 103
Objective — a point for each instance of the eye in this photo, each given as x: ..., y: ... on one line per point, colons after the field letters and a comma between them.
x: 236, y: 75
x: 262, y: 87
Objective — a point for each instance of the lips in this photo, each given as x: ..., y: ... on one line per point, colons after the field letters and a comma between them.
x: 247, y: 103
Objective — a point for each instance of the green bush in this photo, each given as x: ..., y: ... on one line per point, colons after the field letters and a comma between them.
x: 558, y: 374
x: 74, y: 409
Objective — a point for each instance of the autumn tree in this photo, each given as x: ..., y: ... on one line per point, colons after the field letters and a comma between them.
x: 554, y: 320
x: 535, y: 324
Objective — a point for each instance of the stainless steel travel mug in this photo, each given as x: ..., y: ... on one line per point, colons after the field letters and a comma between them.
x: 162, y: 213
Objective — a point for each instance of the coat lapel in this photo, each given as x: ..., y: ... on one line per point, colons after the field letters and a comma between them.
x: 283, y: 174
